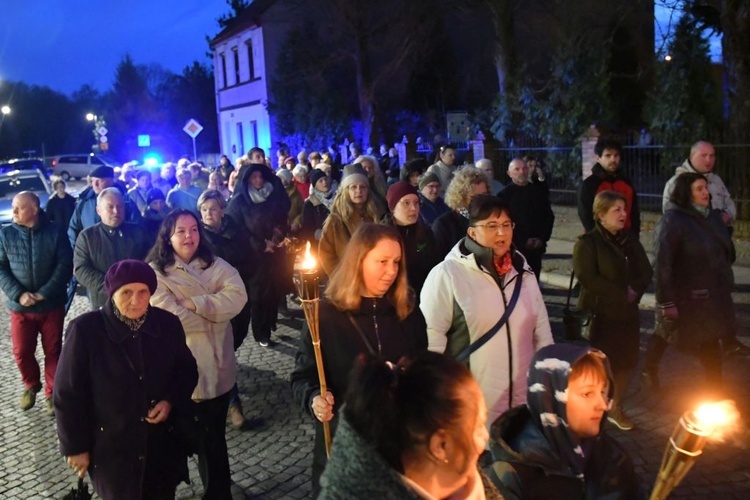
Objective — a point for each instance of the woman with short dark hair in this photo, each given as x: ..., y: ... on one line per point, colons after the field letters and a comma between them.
x: 466, y: 295
x: 694, y: 280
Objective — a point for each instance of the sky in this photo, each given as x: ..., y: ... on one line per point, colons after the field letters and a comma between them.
x: 65, y: 44
x: 664, y: 22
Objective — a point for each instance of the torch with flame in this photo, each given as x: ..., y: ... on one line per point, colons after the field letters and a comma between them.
x: 307, y: 281
x: 710, y: 421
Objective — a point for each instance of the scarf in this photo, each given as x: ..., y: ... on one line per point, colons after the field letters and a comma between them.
x: 463, y: 211
x: 704, y: 211
x: 260, y: 195
x: 326, y: 199
x: 133, y: 324
x: 619, y: 238
x: 503, y: 264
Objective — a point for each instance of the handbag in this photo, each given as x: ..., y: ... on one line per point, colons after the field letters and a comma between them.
x: 578, y: 323
x: 468, y: 350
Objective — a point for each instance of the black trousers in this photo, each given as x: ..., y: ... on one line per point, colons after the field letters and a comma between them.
x: 213, y: 459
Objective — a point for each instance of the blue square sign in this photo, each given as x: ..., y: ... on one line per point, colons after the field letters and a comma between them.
x: 144, y: 140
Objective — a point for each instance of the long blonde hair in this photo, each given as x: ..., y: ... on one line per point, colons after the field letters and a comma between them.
x: 343, y: 207
x: 378, y: 180
x: 346, y: 285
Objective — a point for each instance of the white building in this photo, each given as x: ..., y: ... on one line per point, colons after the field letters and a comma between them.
x: 245, y: 53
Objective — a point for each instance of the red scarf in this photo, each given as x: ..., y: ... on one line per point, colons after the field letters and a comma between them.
x: 503, y: 264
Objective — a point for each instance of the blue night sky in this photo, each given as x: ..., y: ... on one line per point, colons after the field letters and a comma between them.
x: 64, y: 44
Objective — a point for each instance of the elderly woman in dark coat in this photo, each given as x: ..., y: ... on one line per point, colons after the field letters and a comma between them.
x: 613, y: 270
x: 694, y: 280
x: 261, y: 205
x: 123, y: 371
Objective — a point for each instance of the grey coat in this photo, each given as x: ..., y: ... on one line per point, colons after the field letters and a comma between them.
x: 100, y: 246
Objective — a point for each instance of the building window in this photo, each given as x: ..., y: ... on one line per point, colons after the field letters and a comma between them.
x: 236, y: 55
x: 254, y: 129
x: 223, y: 70
x: 240, y: 140
x: 250, y: 60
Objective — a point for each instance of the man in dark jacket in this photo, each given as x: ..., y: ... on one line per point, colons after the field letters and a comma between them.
x: 103, y: 244
x: 36, y: 263
x: 606, y: 175
x: 85, y: 214
x: 532, y: 214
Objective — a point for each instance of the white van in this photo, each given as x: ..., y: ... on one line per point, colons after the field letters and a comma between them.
x: 77, y: 166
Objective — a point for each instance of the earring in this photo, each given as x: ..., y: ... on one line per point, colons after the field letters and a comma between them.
x: 446, y: 460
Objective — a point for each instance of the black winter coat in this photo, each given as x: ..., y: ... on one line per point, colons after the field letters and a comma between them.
x: 531, y: 212
x: 420, y: 249
x: 100, y: 246
x: 101, y: 400
x: 36, y: 260
x: 527, y: 467
x: 693, y: 269
x: 448, y: 229
x: 60, y: 210
x: 314, y: 215
x: 341, y: 344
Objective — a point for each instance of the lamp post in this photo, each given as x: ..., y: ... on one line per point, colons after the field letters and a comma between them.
x: 4, y: 111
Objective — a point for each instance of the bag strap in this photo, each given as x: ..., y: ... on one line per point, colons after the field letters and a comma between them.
x: 362, y: 335
x: 469, y: 350
x: 570, y: 290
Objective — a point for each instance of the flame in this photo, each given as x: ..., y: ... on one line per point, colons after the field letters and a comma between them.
x: 718, y: 419
x: 308, y: 262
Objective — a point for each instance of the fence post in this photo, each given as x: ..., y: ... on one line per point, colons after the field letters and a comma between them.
x: 588, y: 156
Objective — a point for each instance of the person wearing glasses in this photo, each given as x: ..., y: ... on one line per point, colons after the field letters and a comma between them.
x: 465, y: 297
x: 532, y: 214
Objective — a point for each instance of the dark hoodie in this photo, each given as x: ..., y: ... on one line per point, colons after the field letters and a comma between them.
x: 537, y: 456
x: 266, y: 220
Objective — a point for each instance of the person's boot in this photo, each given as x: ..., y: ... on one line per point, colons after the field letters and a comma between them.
x: 236, y: 417
x: 618, y: 418
x: 28, y: 398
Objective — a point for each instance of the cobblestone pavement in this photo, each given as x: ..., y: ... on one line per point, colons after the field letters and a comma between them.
x: 274, y: 461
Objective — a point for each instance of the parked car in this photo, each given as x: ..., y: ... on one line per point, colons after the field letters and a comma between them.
x: 78, y: 166
x: 12, y: 183
x: 24, y: 164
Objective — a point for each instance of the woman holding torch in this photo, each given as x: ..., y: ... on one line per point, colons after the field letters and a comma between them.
x: 368, y: 308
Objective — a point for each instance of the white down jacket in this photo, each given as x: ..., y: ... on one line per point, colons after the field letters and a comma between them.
x: 219, y: 295
x: 461, y: 296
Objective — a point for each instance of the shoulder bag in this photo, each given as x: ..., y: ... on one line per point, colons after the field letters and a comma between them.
x: 578, y: 323
x: 469, y: 350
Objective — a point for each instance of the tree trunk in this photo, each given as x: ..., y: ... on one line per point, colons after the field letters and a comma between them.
x: 365, y: 89
x: 505, y: 53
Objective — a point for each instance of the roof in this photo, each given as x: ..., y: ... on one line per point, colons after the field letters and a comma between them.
x: 248, y: 18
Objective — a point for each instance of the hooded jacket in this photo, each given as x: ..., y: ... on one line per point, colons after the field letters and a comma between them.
x: 720, y: 197
x: 463, y: 297
x: 603, y: 180
x: 538, y: 457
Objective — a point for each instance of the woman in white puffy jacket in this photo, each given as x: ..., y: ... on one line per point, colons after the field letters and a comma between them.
x: 466, y: 295
x: 205, y: 292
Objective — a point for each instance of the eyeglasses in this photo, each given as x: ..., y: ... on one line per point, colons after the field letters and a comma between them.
x: 494, y: 226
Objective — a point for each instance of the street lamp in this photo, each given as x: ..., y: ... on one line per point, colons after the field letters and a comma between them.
x: 5, y: 110
x: 91, y: 117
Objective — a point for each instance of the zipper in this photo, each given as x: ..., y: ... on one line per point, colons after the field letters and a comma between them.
x: 375, y: 321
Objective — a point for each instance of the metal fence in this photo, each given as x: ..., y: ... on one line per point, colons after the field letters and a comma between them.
x: 649, y: 167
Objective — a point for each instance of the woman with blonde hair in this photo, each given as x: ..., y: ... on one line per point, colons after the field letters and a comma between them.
x: 368, y: 308
x: 352, y: 206
x: 450, y: 227
x: 376, y: 179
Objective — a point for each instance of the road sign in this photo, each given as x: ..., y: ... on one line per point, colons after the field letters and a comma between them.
x: 104, y: 146
x: 144, y: 140
x: 102, y: 130
x: 103, y: 139
x: 192, y: 128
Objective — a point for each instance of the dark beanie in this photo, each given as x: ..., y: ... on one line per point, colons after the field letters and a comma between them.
x: 129, y: 271
x: 154, y: 194
x: 315, y: 176
x: 397, y: 191
x: 103, y: 172
x: 428, y: 178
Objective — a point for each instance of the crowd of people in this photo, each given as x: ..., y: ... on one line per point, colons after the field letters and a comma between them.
x: 434, y: 329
